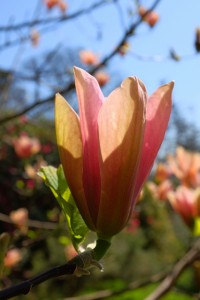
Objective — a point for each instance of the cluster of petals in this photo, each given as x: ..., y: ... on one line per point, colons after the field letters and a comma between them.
x: 185, y: 165
x: 162, y: 172
x: 62, y: 5
x: 88, y: 57
x: 160, y: 191
x: 186, y: 202
x: 151, y: 18
x: 107, y: 151
x: 13, y: 257
x: 197, y: 39
x: 26, y: 146
x: 31, y: 170
x: 19, y: 216
x: 124, y: 48
x: 102, y: 77
x: 35, y: 37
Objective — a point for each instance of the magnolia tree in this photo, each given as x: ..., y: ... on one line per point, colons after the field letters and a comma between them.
x: 112, y: 213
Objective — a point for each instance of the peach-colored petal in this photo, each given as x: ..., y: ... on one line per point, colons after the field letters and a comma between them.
x: 13, y: 257
x: 90, y: 99
x: 159, y: 107
x: 197, y: 202
x: 19, y: 216
x: 162, y: 172
x: 88, y: 57
x: 121, y: 123
x: 25, y: 146
x: 102, y: 77
x: 182, y: 200
x: 69, y: 142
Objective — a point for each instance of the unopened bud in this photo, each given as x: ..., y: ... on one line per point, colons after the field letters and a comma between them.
x: 197, y: 39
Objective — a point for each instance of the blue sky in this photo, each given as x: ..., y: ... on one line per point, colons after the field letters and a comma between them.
x: 176, y: 29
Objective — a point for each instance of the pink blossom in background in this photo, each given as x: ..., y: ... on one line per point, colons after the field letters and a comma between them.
x: 46, y: 148
x: 160, y: 191
x: 102, y: 77
x: 35, y: 37
x: 162, y: 172
x: 62, y: 5
x: 185, y: 165
x: 88, y: 57
x: 13, y: 257
x: 150, y: 18
x: 26, y: 146
x: 186, y: 202
x: 19, y: 216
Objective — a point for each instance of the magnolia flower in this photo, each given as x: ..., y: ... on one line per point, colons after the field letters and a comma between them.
x: 161, y: 190
x: 150, y: 18
x: 35, y: 37
x: 19, y: 216
x: 162, y: 172
x: 186, y: 202
x: 88, y: 57
x: 26, y: 146
x: 109, y: 150
x: 13, y: 257
x: 52, y: 3
x: 185, y: 166
x: 102, y: 77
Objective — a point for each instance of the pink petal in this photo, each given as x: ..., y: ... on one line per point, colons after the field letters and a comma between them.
x: 159, y: 107
x: 121, y: 124
x: 90, y: 99
x: 69, y: 142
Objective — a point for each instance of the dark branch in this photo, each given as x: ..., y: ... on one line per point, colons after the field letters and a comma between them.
x: 179, y: 267
x: 25, y: 287
x: 59, y: 19
x: 71, y: 86
x: 50, y: 22
x: 31, y: 223
x: 104, y: 294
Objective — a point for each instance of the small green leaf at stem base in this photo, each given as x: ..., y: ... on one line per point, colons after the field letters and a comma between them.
x: 196, y: 228
x: 101, y: 248
x: 55, y: 180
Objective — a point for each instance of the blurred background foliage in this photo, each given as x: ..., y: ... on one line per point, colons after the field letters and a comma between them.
x: 156, y: 237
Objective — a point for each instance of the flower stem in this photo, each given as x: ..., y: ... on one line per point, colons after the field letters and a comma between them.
x: 101, y: 248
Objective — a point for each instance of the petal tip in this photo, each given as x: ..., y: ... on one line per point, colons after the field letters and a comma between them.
x: 59, y: 98
x: 57, y: 95
x: 78, y: 71
x: 171, y: 84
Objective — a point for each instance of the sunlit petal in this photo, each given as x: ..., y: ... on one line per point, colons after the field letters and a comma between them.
x: 121, y: 124
x: 69, y: 142
x: 159, y: 107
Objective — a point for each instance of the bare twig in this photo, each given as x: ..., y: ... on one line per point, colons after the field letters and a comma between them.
x: 78, y: 265
x: 71, y: 86
x: 110, y: 293
x: 48, y: 24
x: 179, y: 267
x: 164, y: 287
x: 25, y: 287
x: 30, y: 223
x: 59, y: 19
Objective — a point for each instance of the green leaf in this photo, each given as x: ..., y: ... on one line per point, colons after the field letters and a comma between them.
x: 196, y: 228
x: 55, y: 180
